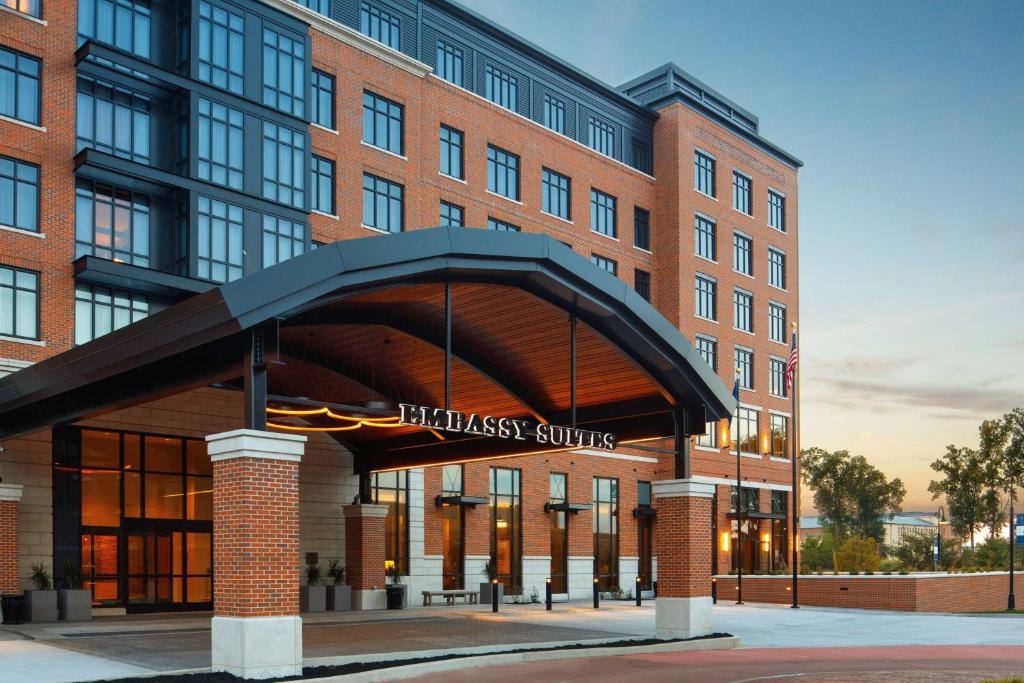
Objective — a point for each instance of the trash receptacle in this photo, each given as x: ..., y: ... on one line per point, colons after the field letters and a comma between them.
x: 395, y: 595
x: 13, y: 607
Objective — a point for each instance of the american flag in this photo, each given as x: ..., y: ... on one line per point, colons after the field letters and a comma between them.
x: 791, y: 364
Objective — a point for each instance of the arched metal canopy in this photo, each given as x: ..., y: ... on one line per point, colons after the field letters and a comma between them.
x: 362, y: 322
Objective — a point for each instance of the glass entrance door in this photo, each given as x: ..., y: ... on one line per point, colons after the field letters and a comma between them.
x: 451, y: 531
x: 154, y: 568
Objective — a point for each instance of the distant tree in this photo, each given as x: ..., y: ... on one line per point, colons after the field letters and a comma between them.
x: 916, y: 550
x: 816, y: 553
x: 858, y: 553
x: 963, y: 485
x: 850, y: 494
x: 994, y: 435
x: 1012, y: 468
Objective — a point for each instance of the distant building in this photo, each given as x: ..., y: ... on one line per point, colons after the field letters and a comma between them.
x: 895, y: 528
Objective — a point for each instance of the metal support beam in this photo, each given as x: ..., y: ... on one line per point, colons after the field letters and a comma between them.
x: 447, y: 346
x: 365, y: 489
x: 254, y: 378
x: 682, y: 460
x: 572, y: 369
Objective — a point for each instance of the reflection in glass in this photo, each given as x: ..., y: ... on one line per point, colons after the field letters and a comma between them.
x: 506, y: 529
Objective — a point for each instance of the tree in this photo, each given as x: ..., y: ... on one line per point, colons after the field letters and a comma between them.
x: 816, y: 553
x: 1012, y: 466
x: 993, y: 435
x: 859, y: 554
x: 916, y: 550
x: 963, y: 486
x: 850, y: 494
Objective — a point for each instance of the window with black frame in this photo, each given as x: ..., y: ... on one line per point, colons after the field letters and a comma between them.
x: 558, y: 488
x: 506, y: 528
x: 606, y: 533
x: 704, y: 238
x: 704, y: 173
x: 19, y: 303
x: 452, y: 529
x: 746, y: 429
x: 392, y: 489
x: 780, y: 435
x: 449, y: 63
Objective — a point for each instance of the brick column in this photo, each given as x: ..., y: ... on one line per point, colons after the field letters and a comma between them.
x: 10, y: 505
x: 256, y: 630
x: 364, y: 555
x: 683, y: 545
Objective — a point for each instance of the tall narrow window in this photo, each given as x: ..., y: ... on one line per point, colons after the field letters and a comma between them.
x: 19, y: 86
x: 502, y: 172
x: 600, y: 137
x: 554, y: 114
x: 642, y: 283
x: 556, y: 192
x: 776, y: 268
x: 382, y: 204
x: 741, y: 193
x: 642, y: 159
x: 282, y: 239
x: 29, y: 7
x: 644, y: 536
x: 501, y: 88
x: 112, y: 120
x: 19, y: 194
x: 125, y: 24
x: 707, y: 347
x: 603, y: 213
x: 452, y: 533
x: 777, y: 322
x: 744, y: 360
x: 451, y: 142
x: 742, y: 306
x: 449, y: 63
x: 776, y: 210
x: 221, y: 47
x: 746, y: 432
x: 380, y: 25
x: 220, y: 144
x: 780, y: 439
x: 501, y: 226
x: 742, y: 249
x: 382, y: 122
x: 704, y: 173
x: 322, y: 186
x: 709, y: 439
x: 19, y: 303
x: 284, y: 73
x: 219, y: 240
x: 706, y: 305
x: 111, y: 223
x: 777, y: 377
x: 704, y: 233
x: 392, y: 489
x: 284, y: 165
x: 606, y: 532
x: 506, y: 527
x: 99, y: 310
x: 452, y: 215
x: 641, y: 229
x: 606, y: 264
x: 558, y: 495
x: 322, y: 99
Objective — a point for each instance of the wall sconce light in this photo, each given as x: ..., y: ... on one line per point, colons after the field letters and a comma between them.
x: 765, y: 541
x: 723, y: 432
x: 764, y: 443
x: 725, y: 541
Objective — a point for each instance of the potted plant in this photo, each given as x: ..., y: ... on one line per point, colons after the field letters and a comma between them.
x: 339, y: 596
x: 41, y: 603
x: 74, y: 602
x: 395, y: 590
x: 313, y: 596
x: 490, y: 570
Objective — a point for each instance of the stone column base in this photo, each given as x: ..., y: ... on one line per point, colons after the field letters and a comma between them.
x: 682, y: 617
x: 257, y: 647
x: 369, y: 598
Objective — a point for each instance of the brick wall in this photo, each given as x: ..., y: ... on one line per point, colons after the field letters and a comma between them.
x: 364, y: 551
x: 682, y: 538
x: 9, y: 583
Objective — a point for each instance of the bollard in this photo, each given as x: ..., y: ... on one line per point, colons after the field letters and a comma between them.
x: 714, y: 591
x: 638, y: 591
x: 547, y: 595
x: 595, y: 593
x: 494, y: 595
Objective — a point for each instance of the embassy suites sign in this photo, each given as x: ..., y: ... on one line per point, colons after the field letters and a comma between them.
x: 503, y: 427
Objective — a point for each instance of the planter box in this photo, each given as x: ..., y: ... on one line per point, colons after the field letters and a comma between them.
x: 40, y: 606
x: 339, y: 598
x: 485, y: 593
x: 74, y: 605
x: 313, y: 598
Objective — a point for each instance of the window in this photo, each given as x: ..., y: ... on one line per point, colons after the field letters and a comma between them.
x: 111, y: 223
x: 707, y: 304
x: 777, y: 377
x: 777, y: 322
x: 19, y: 303
x: 709, y: 439
x: 284, y: 165
x: 751, y: 499
x: 557, y: 495
x: 707, y: 347
x: 380, y: 25
x: 125, y: 24
x: 452, y: 529
x: 605, y: 264
x: 284, y: 73
x: 780, y: 500
x: 645, y: 537
x: 320, y: 6
x: 603, y: 216
x: 556, y: 194
x: 642, y: 283
x: 451, y: 152
x: 642, y: 156
x: 382, y: 204
x: 554, y: 114
x: 745, y: 430
x: 742, y: 246
x: 742, y: 303
x: 220, y: 140
x: 282, y: 239
x: 382, y: 122
x: 322, y: 186
x: 780, y: 446
x: 219, y: 240
x: 392, y: 489
x: 99, y: 310
x: 506, y: 527
x: 704, y: 230
x: 19, y: 194
x: 29, y: 7
x: 112, y: 120
x: 741, y: 193
x: 501, y: 226
x: 704, y: 173
x: 449, y: 63
x: 600, y: 137
x: 221, y: 47
x: 776, y: 210
x: 501, y: 88
x: 776, y: 268
x: 322, y: 99
x: 19, y: 86
x: 641, y: 228
x: 606, y: 533
x: 744, y: 361
x: 452, y: 215
x: 502, y: 172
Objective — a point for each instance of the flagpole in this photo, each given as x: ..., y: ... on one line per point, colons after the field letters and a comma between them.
x: 794, y: 501
x: 739, y: 502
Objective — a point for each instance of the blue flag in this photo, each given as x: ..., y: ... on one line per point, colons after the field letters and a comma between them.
x: 735, y: 393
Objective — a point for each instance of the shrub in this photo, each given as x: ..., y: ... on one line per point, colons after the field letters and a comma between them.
x: 890, y: 565
x: 858, y: 554
x: 816, y: 553
x: 40, y: 577
x: 336, y: 572
x: 312, y: 574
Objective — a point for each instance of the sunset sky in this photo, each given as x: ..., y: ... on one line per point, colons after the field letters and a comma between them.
x: 908, y: 116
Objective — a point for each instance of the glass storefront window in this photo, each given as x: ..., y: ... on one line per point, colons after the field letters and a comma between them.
x: 558, y: 485
x: 452, y: 529
x: 101, y: 496
x: 163, y: 454
x: 392, y: 489
x: 606, y: 532
x: 101, y: 449
x: 163, y: 496
x: 506, y: 528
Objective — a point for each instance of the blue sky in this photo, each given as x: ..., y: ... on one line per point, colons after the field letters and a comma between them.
x: 909, y: 118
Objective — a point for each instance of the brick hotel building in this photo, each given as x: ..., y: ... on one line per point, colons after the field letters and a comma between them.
x: 151, y: 152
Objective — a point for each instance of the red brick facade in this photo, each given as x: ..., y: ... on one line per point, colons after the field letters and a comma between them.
x: 9, y: 512
x: 364, y: 547
x: 683, y: 543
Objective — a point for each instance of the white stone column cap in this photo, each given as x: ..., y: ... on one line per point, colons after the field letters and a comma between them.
x: 11, y: 492
x: 682, y: 488
x: 364, y: 510
x: 253, y: 443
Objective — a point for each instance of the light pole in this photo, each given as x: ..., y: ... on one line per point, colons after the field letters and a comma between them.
x: 1011, y: 602
x: 940, y: 515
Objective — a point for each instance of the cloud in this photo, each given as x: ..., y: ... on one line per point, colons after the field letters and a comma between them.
x: 981, y: 397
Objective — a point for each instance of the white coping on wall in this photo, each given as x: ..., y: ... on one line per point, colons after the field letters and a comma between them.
x: 253, y: 443
x: 614, y: 456
x: 364, y: 510
x: 682, y: 488
x: 722, y: 481
x: 9, y: 492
